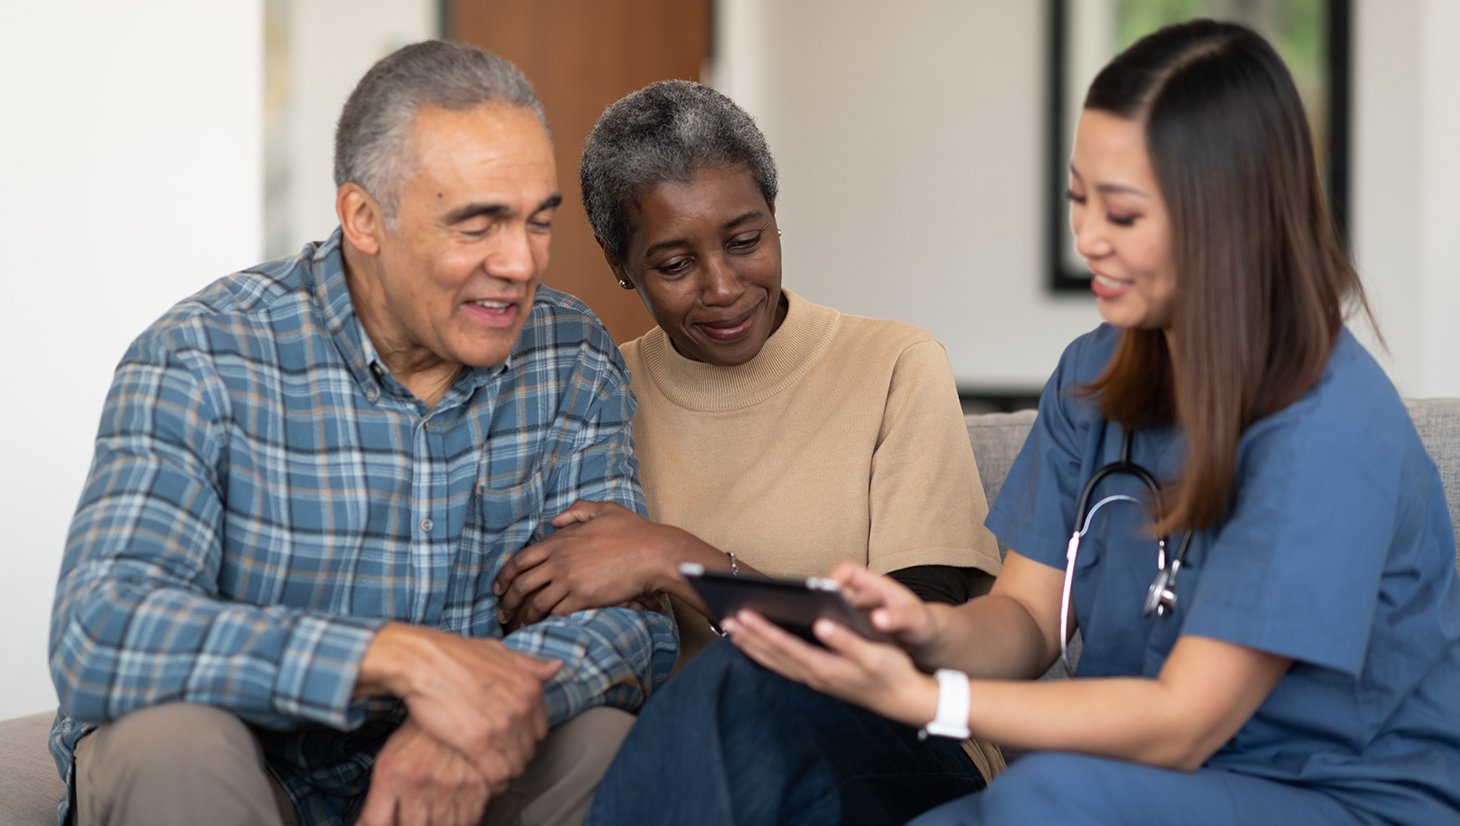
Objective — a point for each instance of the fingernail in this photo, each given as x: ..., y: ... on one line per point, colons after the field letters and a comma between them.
x: 497, y: 588
x: 729, y: 626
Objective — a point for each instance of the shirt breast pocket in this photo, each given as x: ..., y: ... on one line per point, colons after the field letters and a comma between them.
x: 500, y: 522
x: 504, y: 519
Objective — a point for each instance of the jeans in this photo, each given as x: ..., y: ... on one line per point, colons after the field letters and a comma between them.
x: 728, y: 742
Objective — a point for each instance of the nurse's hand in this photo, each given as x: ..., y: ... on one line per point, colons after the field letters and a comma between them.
x: 876, y: 676
x: 890, y: 607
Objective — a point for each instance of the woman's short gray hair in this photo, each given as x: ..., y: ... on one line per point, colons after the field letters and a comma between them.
x: 372, y: 139
x: 666, y: 131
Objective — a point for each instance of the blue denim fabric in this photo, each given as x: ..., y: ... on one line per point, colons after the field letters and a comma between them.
x: 728, y: 742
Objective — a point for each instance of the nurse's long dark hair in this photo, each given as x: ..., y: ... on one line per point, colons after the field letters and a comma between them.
x: 1262, y: 277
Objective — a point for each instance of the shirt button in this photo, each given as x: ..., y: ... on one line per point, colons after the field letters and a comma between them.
x: 427, y: 525
x: 372, y: 394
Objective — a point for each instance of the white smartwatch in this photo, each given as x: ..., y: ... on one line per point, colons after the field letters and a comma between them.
x: 951, y: 719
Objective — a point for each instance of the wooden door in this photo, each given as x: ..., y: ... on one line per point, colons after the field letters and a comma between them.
x: 580, y: 56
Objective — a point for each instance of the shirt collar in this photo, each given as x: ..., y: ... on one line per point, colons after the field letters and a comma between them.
x: 332, y: 292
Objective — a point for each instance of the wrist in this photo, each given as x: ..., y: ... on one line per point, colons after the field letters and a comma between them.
x: 382, y: 667
x: 683, y: 547
x: 949, y: 717
x: 925, y: 651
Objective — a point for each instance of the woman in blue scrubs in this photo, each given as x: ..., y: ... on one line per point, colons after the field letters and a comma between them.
x: 1307, y: 669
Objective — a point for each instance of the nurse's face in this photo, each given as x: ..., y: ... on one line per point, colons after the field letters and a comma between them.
x: 1120, y: 222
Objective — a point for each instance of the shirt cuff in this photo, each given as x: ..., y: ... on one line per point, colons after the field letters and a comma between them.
x: 320, y: 666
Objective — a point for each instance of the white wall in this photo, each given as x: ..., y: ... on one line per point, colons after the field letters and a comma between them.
x: 1406, y: 214
x: 910, y: 138
x: 130, y: 158
x: 316, y: 75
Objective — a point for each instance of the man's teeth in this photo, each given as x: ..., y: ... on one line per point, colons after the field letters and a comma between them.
x: 493, y: 305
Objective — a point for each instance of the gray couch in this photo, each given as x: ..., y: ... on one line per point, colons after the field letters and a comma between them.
x: 29, y: 788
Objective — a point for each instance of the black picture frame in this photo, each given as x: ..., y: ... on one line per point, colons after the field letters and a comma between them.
x: 1065, y: 278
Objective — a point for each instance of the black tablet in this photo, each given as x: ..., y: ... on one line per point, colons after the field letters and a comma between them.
x: 793, y: 604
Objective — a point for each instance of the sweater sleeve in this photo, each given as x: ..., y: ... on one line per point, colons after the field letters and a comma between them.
x: 927, y: 503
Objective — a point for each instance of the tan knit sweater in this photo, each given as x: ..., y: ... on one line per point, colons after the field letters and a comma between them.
x: 842, y: 440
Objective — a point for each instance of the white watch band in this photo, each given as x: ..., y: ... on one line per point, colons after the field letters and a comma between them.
x: 951, y: 719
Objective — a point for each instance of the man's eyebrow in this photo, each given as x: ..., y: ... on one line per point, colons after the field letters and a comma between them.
x: 473, y: 210
x: 498, y: 210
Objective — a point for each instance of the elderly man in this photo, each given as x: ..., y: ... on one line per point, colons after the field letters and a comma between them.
x: 276, y: 602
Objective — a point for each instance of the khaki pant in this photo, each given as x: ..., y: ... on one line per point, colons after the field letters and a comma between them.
x: 189, y: 764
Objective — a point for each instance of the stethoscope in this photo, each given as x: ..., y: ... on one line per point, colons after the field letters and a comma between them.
x: 1161, y: 596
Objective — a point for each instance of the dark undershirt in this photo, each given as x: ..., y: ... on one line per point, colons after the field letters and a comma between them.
x: 944, y: 583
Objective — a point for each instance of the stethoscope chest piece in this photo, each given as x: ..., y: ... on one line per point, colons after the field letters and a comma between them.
x: 1161, y: 596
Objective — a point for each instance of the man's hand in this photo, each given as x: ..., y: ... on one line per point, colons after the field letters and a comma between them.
x: 419, y: 780
x: 602, y: 555
x: 475, y: 696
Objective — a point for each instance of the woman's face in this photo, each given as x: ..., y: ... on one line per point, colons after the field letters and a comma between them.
x: 1120, y: 222
x: 705, y: 257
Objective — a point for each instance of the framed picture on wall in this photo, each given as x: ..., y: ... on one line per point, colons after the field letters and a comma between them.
x: 1312, y: 36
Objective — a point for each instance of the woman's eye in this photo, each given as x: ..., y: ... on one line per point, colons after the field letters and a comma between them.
x: 1074, y: 197
x: 1121, y: 220
x: 743, y: 243
x: 674, y: 266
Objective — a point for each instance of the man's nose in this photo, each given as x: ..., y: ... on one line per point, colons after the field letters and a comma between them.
x: 518, y: 255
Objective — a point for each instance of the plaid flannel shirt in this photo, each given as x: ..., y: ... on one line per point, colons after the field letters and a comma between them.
x: 264, y: 496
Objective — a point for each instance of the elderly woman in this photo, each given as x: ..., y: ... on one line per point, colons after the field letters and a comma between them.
x: 774, y: 434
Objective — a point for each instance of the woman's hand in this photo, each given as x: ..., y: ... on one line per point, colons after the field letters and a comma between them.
x: 602, y: 555
x: 890, y: 607
x: 876, y: 676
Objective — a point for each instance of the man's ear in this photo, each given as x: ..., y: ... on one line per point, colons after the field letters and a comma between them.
x: 361, y: 218
x: 617, y: 267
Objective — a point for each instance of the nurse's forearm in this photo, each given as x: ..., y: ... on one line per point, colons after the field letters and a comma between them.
x: 1013, y: 633
x: 1205, y: 692
x: 991, y: 637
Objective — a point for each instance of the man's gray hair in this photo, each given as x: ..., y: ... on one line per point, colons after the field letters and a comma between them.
x: 666, y: 131
x: 372, y: 139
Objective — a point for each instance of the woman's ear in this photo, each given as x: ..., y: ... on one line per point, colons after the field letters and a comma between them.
x: 360, y: 216
x: 618, y: 269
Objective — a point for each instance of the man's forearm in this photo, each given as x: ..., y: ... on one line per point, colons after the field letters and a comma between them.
x: 272, y: 666
x: 611, y: 656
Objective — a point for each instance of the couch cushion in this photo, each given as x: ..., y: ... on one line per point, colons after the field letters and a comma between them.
x: 1438, y: 422
x: 996, y: 440
x: 29, y: 786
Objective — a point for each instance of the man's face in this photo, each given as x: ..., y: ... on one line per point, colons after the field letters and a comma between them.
x: 458, y: 272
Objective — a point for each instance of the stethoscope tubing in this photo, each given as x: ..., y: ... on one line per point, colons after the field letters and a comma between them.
x: 1161, y: 595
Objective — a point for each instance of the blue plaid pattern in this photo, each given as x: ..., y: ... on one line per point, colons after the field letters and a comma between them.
x: 264, y: 496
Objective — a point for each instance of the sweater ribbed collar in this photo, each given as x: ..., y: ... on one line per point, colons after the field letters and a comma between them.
x: 800, y: 341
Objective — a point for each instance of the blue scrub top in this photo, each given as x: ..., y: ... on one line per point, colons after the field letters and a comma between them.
x: 1338, y: 552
